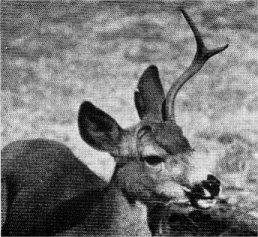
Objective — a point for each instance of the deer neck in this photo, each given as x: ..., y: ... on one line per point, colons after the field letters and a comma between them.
x: 119, y: 215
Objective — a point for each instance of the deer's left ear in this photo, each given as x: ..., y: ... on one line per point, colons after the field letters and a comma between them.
x: 150, y: 95
x: 97, y: 128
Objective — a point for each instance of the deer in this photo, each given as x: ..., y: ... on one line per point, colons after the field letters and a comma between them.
x: 48, y: 191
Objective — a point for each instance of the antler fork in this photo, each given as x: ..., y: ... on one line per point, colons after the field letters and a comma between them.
x: 201, y: 56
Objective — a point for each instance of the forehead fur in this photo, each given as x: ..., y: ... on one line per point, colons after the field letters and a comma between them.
x: 169, y: 136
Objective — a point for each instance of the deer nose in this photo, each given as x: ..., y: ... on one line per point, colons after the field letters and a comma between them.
x: 212, y: 185
x: 203, y: 194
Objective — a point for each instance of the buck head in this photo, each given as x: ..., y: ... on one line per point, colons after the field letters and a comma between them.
x: 153, y: 157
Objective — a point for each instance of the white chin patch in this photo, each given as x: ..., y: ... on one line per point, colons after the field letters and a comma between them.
x: 206, y: 193
x: 206, y: 203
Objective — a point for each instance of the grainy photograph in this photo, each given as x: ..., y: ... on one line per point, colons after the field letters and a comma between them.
x: 129, y: 118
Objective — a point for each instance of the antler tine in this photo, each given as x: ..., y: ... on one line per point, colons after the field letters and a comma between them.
x: 201, y: 56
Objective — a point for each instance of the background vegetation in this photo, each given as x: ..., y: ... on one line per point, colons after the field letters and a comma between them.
x: 55, y: 54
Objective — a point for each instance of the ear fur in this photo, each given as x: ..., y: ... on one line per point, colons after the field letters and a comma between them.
x: 97, y: 128
x: 150, y: 94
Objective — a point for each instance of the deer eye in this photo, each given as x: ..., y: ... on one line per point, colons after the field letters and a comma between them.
x: 153, y: 160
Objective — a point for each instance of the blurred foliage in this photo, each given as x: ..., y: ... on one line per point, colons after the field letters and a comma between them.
x: 55, y: 54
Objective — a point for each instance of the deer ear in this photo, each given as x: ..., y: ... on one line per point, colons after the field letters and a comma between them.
x: 97, y: 128
x: 150, y: 95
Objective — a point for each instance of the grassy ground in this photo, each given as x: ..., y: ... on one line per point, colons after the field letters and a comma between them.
x: 55, y: 54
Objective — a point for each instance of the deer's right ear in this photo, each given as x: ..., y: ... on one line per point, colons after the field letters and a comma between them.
x: 150, y: 95
x: 97, y: 128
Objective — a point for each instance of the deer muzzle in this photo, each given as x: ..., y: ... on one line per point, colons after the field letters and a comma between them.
x: 205, y: 193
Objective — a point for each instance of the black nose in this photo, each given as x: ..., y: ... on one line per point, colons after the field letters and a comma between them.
x: 212, y: 184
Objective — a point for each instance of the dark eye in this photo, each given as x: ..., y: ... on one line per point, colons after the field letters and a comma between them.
x: 153, y: 160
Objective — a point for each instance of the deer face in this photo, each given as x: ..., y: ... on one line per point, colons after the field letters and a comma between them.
x: 158, y: 163
x: 161, y: 169
x: 153, y: 157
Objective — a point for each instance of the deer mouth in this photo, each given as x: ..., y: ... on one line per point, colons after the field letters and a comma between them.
x: 200, y: 197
